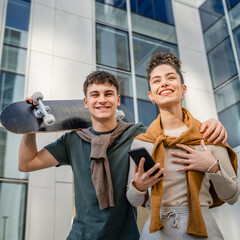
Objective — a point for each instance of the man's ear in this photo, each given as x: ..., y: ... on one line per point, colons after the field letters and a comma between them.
x: 118, y: 100
x: 85, y: 102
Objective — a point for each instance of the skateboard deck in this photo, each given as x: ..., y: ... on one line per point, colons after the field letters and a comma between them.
x: 19, y: 117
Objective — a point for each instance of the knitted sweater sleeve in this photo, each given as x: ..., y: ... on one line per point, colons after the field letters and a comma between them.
x: 225, y: 181
x: 134, y: 196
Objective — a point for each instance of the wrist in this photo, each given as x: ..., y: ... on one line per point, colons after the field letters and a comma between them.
x: 137, y: 187
x: 214, y: 168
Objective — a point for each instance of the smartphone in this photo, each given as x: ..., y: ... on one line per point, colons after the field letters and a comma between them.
x: 137, y: 153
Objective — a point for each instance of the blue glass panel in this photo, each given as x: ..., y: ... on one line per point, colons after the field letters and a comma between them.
x: 124, y: 81
x: 145, y: 47
x: 18, y: 12
x: 128, y: 102
x: 108, y: 14
x: 112, y: 47
x: 14, y: 59
x: 221, y: 62
x: 157, y: 9
x: 227, y: 95
x: 234, y: 16
x: 236, y: 34
x: 215, y: 33
x: 210, y: 11
x: 231, y: 3
x: 147, y: 112
x: 230, y: 118
x: 12, y: 211
x: 11, y: 88
x: 116, y: 3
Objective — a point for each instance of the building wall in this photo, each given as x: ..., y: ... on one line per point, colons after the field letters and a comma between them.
x: 61, y: 54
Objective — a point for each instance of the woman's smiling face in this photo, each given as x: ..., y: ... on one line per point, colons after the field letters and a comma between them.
x: 166, y: 87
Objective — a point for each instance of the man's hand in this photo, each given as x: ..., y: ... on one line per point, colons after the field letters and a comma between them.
x: 215, y: 130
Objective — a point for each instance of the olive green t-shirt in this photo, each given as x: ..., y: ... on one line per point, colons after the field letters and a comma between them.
x: 113, y: 223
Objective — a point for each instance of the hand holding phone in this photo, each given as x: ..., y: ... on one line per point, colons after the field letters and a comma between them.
x: 137, y: 153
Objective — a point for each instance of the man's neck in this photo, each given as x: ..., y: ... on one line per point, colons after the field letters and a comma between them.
x: 104, y: 126
x: 172, y: 118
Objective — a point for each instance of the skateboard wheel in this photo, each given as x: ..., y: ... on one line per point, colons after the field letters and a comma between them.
x: 36, y: 96
x: 49, y: 120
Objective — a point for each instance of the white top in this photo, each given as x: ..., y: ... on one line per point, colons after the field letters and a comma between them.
x: 174, y: 183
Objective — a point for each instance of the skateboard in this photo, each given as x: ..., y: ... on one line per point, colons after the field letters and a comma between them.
x: 50, y: 116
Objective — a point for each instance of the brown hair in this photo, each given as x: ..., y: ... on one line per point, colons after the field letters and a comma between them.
x: 160, y: 58
x: 100, y: 77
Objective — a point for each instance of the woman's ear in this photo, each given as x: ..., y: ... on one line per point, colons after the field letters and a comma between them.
x: 150, y: 96
x: 184, y: 89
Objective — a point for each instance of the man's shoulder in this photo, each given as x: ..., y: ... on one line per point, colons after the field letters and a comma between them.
x: 135, y: 129
x: 140, y: 127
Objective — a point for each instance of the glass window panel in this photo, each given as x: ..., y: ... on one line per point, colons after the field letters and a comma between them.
x: 160, y: 10
x: 142, y: 88
x: 116, y: 3
x: 221, y: 62
x: 14, y: 59
x: 145, y: 47
x: 15, y: 37
x: 124, y: 81
x: 230, y: 118
x: 128, y: 102
x: 236, y: 34
x: 112, y: 47
x: 153, y: 28
x: 215, y: 33
x: 147, y: 112
x: 111, y: 15
x: 210, y: 11
x: 12, y: 211
x: 18, y: 12
x: 232, y: 3
x: 227, y: 95
x: 11, y: 90
x: 234, y: 16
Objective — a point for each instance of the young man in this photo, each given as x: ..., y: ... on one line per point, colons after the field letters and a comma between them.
x: 99, y: 160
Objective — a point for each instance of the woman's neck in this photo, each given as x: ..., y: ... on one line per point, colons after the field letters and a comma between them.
x: 171, y: 118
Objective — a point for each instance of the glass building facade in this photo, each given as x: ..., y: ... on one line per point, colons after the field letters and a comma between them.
x: 127, y: 35
x: 13, y: 184
x: 221, y: 30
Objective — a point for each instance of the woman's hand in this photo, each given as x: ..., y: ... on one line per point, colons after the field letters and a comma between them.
x: 215, y: 131
x: 194, y: 159
x: 142, y: 180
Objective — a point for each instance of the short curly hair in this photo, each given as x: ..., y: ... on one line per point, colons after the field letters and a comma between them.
x: 160, y: 58
x: 100, y: 77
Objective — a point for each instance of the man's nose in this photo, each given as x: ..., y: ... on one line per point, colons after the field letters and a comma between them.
x: 102, y: 98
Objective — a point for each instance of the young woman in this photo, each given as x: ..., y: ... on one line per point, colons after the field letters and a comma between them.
x: 196, y: 176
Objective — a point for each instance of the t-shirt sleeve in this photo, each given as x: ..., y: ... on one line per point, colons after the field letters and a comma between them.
x: 59, y: 150
x: 140, y: 128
